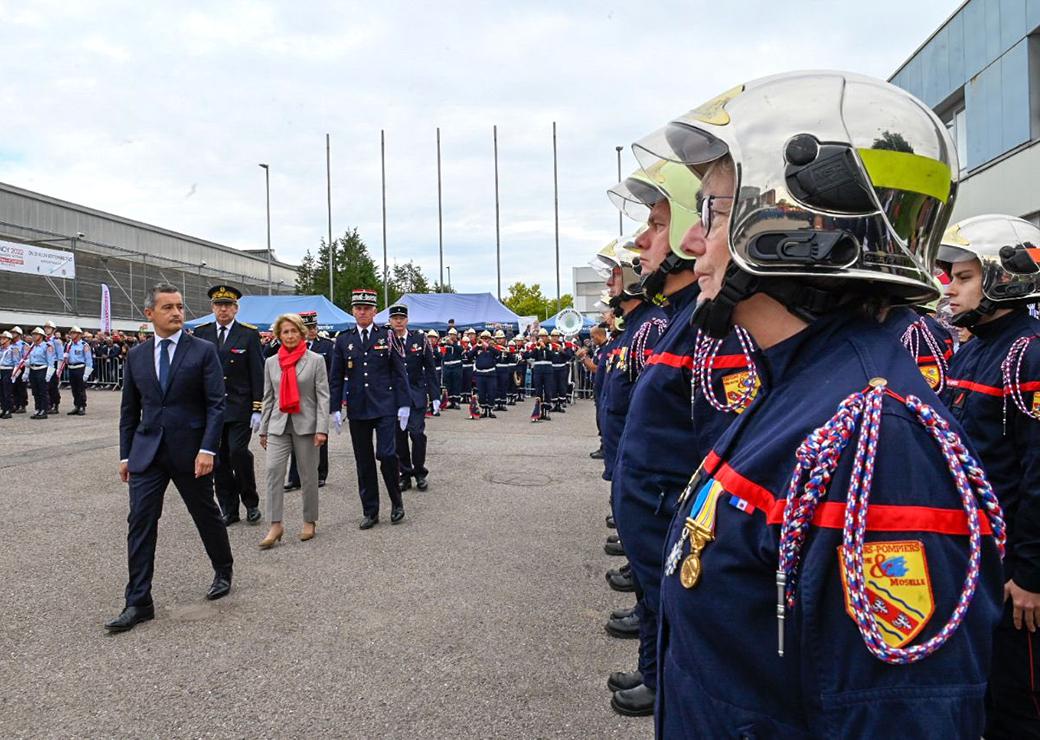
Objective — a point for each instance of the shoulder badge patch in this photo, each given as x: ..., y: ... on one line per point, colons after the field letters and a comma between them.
x: 931, y: 374
x: 1036, y: 403
x: 899, y: 588
x: 734, y: 385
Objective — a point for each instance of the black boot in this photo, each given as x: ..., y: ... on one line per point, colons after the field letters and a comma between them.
x: 488, y: 414
x: 634, y: 702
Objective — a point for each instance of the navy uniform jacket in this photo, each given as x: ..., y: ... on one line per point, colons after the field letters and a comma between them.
x: 483, y: 357
x: 602, y: 353
x: 719, y: 671
x: 243, y: 361
x: 188, y: 417
x: 451, y: 352
x: 323, y: 347
x: 370, y: 378
x: 899, y: 320
x: 1010, y: 451
x: 420, y: 368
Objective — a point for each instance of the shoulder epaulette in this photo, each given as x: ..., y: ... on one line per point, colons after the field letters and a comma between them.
x: 203, y: 326
x: 248, y: 326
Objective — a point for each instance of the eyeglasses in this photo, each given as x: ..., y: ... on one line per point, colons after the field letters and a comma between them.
x: 707, y: 208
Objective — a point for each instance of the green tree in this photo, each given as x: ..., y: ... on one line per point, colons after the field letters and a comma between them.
x: 438, y: 288
x: 525, y: 300
x: 354, y: 268
x: 407, y: 278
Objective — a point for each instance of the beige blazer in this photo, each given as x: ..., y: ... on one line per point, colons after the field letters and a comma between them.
x: 313, y: 382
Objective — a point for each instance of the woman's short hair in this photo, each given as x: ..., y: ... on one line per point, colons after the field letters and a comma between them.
x: 292, y: 318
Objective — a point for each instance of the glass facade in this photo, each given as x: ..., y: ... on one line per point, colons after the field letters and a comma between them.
x: 979, y: 73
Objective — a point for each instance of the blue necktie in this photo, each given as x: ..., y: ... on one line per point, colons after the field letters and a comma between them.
x: 164, y: 363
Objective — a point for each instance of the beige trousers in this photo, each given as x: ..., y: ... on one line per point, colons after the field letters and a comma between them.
x: 279, y: 446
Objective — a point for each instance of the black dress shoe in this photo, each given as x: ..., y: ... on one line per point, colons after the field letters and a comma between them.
x: 396, y: 514
x: 597, y: 455
x: 5, y: 415
x: 634, y: 702
x: 292, y: 487
x: 624, y: 570
x: 369, y: 521
x: 81, y: 411
x: 626, y: 628
x: 20, y: 410
x: 622, y: 613
x: 131, y: 616
x: 624, y: 584
x: 38, y: 415
x: 406, y: 484
x: 221, y: 586
x: 321, y: 482
x: 613, y: 538
x: 74, y: 412
x: 253, y: 515
x: 614, y: 548
x: 624, y: 680
x: 230, y: 519
x: 421, y: 483
x: 610, y: 522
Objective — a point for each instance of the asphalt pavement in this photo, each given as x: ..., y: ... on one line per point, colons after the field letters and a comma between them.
x: 481, y: 615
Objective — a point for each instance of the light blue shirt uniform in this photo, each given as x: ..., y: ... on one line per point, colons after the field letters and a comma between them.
x: 41, y: 354
x: 79, y: 353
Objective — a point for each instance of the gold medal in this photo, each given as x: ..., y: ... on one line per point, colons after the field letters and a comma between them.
x: 690, y: 572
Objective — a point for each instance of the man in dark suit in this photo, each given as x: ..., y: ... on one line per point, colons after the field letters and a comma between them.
x: 170, y: 422
x: 238, y: 346
x: 368, y: 375
x: 323, y: 347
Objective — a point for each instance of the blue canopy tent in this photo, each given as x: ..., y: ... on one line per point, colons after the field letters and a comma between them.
x: 432, y: 311
x: 550, y: 323
x: 262, y: 310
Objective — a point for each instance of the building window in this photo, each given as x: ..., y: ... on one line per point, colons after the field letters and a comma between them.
x: 956, y: 123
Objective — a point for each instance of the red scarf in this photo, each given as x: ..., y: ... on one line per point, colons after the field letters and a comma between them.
x: 289, y: 391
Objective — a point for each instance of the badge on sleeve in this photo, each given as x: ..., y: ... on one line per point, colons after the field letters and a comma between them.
x: 1036, y: 403
x: 899, y: 588
x: 735, y: 384
x: 931, y: 374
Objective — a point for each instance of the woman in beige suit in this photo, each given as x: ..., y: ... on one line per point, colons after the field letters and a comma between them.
x: 295, y: 418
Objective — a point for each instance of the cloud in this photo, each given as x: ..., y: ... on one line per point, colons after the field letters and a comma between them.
x: 157, y: 102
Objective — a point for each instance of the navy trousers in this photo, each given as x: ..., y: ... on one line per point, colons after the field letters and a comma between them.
x: 79, y: 387
x: 412, y: 460
x: 361, y: 431
x: 6, y: 390
x: 542, y: 382
x: 41, y: 396
x: 486, y: 386
x: 453, y: 382
x: 147, y: 491
x: 234, y: 474
x: 1013, y: 696
x: 503, y: 376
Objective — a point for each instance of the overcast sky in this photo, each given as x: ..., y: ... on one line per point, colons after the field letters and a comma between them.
x: 163, y: 115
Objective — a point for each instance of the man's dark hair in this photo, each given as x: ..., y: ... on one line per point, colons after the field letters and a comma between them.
x: 158, y: 288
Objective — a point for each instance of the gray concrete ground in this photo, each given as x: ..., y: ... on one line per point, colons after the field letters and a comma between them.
x: 479, y: 616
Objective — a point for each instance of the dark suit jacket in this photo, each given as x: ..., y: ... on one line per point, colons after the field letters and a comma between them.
x: 371, y: 377
x: 243, y: 361
x: 189, y: 416
x: 325, y: 348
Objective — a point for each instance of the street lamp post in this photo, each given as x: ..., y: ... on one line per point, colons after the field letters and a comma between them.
x: 449, y: 276
x: 267, y: 187
x: 620, y: 222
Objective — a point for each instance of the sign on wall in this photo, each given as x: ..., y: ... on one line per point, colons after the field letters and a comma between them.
x: 34, y: 260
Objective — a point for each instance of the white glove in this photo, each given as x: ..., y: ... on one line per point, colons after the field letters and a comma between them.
x: 87, y: 375
x: 50, y: 373
x: 337, y: 421
x: 254, y: 421
x: 402, y: 417
x: 436, y: 406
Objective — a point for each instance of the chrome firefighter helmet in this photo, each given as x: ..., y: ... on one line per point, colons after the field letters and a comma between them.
x: 837, y: 176
x: 1008, y: 249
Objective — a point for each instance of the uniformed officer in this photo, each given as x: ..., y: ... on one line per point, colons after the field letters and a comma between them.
x: 452, y: 365
x: 653, y: 414
x: 560, y: 368
x: 54, y: 382
x: 469, y: 341
x: 324, y: 347
x: 484, y: 356
x: 368, y: 375
x: 540, y: 355
x: 238, y: 345
x: 505, y: 365
x: 423, y: 389
x: 8, y: 362
x: 438, y: 361
x: 20, y: 376
x: 79, y: 359
x: 994, y: 391
x: 41, y: 370
x: 842, y: 511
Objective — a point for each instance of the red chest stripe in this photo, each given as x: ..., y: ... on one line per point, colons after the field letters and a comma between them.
x: 990, y: 390
x: 672, y: 360
x: 831, y: 515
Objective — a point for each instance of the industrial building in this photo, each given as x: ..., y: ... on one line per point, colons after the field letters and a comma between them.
x: 980, y: 73
x: 126, y: 255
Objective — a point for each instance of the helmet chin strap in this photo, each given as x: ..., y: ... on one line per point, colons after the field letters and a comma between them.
x: 715, y: 316
x: 968, y: 319
x: 653, y: 284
